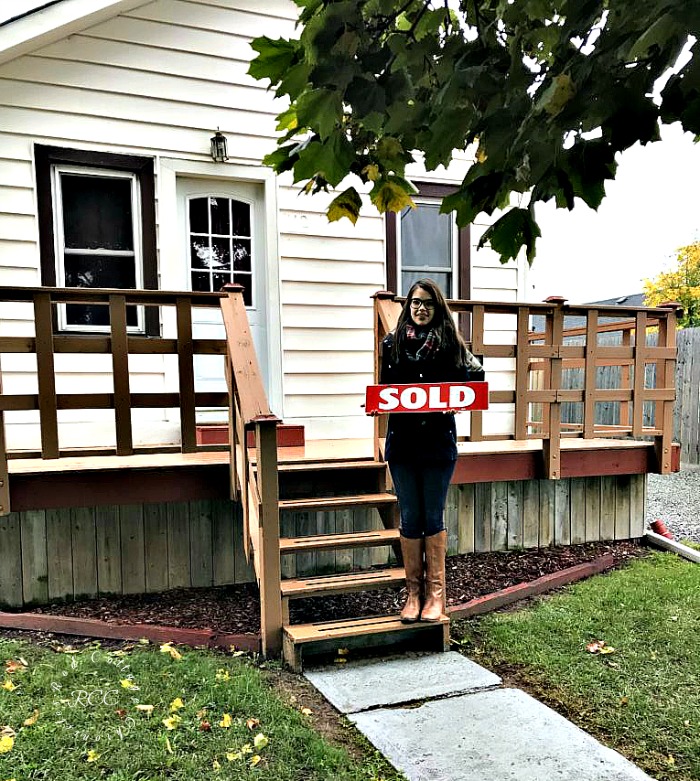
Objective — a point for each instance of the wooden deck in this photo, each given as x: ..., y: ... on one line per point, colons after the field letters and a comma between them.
x: 79, y: 481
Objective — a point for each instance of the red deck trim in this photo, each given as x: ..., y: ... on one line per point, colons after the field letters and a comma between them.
x: 90, y: 627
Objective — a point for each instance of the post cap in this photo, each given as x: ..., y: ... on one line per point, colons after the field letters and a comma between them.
x: 671, y: 305
x: 555, y: 300
x: 232, y: 287
x: 384, y: 295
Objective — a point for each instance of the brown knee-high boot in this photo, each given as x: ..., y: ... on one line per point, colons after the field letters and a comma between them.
x: 435, y: 549
x: 412, y: 551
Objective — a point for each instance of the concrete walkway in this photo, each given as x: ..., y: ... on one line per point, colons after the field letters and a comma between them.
x: 441, y: 717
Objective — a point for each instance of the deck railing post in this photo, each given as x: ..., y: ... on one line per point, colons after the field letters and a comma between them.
x: 120, y: 373
x: 590, y: 371
x: 665, y: 378
x: 4, y: 471
x: 46, y: 376
x: 386, y: 315
x: 551, y: 444
x: 522, y: 373
x: 269, y: 543
x: 185, y: 365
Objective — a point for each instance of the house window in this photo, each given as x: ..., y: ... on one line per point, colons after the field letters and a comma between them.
x: 97, y: 229
x: 219, y: 237
x: 421, y: 242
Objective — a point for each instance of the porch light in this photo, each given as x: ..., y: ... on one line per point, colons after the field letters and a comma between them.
x: 219, y: 147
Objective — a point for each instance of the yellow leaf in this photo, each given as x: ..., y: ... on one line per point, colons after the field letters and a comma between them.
x: 167, y: 648
x: 343, y: 651
x: 340, y: 660
x: 12, y: 666
x: 390, y: 197
x: 223, y: 675
x: 92, y: 755
x: 608, y: 649
x: 168, y: 747
x: 260, y: 741
x: 171, y: 722
x: 8, y: 685
x: 216, y: 765
x: 246, y: 749
x: 147, y: 709
x: 201, y: 713
x: 144, y: 641
x: 6, y: 744
x: 32, y: 720
x: 624, y: 700
x: 232, y: 756
x: 226, y: 721
x: 371, y: 171
x: 252, y: 723
x: 255, y: 759
x: 671, y: 759
x: 176, y: 704
x: 306, y: 711
x: 481, y: 155
x: 128, y: 684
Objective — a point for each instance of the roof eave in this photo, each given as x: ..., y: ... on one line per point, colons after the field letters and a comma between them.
x: 49, y: 24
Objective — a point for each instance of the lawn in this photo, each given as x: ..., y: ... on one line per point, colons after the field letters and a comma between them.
x: 145, y: 712
x: 639, y: 693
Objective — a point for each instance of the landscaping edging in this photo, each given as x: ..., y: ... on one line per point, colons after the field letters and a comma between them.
x: 507, y: 596
x: 91, y: 627
x: 208, y: 638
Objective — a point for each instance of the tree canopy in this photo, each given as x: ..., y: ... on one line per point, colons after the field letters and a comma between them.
x: 546, y: 92
x: 681, y: 284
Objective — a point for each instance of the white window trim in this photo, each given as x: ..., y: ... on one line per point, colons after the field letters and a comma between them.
x: 60, y: 250
x: 428, y: 269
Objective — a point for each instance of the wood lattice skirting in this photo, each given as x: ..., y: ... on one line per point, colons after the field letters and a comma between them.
x: 64, y: 553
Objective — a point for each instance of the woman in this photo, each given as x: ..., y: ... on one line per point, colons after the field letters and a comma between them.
x: 421, y: 448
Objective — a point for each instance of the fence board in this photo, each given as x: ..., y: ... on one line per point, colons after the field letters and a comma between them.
x: 84, y: 551
x: 133, y: 561
x: 200, y: 543
x: 243, y: 568
x: 499, y: 516
x: 465, y: 497
x: 482, y: 517
x: 607, y: 508
x: 546, y: 532
x: 325, y: 524
x: 35, y: 586
x: 109, y: 553
x: 343, y: 525
x: 562, y: 513
x: 11, y: 561
x: 179, y: 573
x: 592, y: 508
x: 622, y: 507
x: 59, y: 554
x: 224, y: 549
x: 637, y: 505
x: 531, y: 513
x: 155, y: 541
x: 515, y: 514
x: 577, y: 494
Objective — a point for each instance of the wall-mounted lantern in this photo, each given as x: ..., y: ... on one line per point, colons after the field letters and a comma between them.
x: 219, y: 147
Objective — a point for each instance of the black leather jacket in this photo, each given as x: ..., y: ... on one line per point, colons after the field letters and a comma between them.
x: 414, y: 437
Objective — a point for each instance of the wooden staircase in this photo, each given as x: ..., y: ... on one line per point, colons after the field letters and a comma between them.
x: 343, y: 485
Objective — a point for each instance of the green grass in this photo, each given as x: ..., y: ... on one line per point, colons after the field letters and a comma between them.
x: 643, y: 699
x: 87, y: 725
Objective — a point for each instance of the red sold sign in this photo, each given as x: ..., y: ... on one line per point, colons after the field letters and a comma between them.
x: 430, y: 397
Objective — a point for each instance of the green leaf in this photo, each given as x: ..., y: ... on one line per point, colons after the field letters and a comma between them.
x: 287, y: 120
x: 274, y: 58
x: 347, y: 204
x: 281, y: 159
x: 330, y: 160
x: 514, y: 230
x: 295, y: 81
x: 557, y: 95
x: 320, y: 109
x: 392, y: 194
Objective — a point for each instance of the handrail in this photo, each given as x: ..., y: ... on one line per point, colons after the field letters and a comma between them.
x: 120, y: 342
x: 386, y: 316
x: 254, y: 474
x: 548, y: 359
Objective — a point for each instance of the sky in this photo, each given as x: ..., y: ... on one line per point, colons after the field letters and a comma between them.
x: 650, y: 209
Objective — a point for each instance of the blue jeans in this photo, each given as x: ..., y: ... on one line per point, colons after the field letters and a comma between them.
x: 421, y: 490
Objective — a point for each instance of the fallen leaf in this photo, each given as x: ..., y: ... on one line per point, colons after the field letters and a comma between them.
x: 204, y: 726
x: 232, y: 756
x: 92, y: 755
x: 201, y: 713
x: 340, y: 660
x: 608, y: 649
x: 624, y: 700
x: 671, y: 759
x: 168, y: 747
x: 306, y: 711
x: 223, y: 675
x: 121, y: 712
x: 167, y: 648
x: 128, y: 684
x: 255, y: 759
x: 686, y: 723
x: 343, y: 651
x: 32, y: 720
x: 6, y: 743
x: 171, y: 722
x: 260, y: 741
x: 8, y: 685
x: 252, y: 723
x: 246, y: 749
x: 144, y: 641
x: 226, y: 721
x: 216, y: 765
x: 176, y: 704
x: 7, y: 730
x: 12, y: 666
x: 147, y: 709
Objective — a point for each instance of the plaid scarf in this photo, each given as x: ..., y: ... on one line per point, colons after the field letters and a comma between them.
x: 427, y: 349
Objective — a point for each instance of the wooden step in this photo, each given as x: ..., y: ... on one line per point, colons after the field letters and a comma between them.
x: 356, y: 631
x: 369, y: 539
x: 344, y: 583
x: 337, y: 502
x: 326, y: 466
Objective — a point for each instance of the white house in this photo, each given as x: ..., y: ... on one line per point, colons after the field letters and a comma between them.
x: 106, y: 180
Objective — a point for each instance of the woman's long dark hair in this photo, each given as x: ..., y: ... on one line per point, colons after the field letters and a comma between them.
x: 443, y: 324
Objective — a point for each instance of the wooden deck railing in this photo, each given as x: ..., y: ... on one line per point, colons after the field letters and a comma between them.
x: 254, y: 477
x: 541, y: 357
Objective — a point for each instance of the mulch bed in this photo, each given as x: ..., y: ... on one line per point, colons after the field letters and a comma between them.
x: 235, y: 609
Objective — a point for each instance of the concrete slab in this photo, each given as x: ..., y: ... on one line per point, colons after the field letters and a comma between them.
x: 357, y: 686
x: 498, y: 735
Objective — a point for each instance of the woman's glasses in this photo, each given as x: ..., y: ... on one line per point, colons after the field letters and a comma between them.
x: 417, y: 303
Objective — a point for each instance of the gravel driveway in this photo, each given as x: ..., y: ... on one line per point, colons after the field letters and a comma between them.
x: 675, y: 499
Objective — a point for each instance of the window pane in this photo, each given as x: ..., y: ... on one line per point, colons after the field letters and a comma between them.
x: 220, y: 222
x: 241, y: 255
x: 241, y: 218
x: 426, y: 237
x: 443, y: 280
x: 221, y: 252
x: 219, y: 281
x: 247, y: 282
x: 199, y: 215
x: 201, y: 282
x: 93, y: 271
x: 97, y: 212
